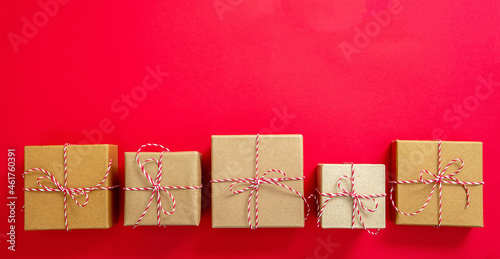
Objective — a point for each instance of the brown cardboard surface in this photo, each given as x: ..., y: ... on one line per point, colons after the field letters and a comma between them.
x: 410, y: 157
x: 179, y: 169
x: 87, y: 166
x: 234, y: 157
x: 369, y: 179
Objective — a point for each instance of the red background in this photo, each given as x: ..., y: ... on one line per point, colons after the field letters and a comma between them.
x: 415, y: 78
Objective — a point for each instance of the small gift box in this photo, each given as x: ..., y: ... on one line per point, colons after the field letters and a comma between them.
x: 257, y: 181
x: 70, y: 187
x: 351, y: 196
x: 437, y: 183
x: 168, y: 184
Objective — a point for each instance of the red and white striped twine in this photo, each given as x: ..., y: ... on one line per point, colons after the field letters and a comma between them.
x: 356, y: 200
x: 72, y: 192
x: 254, y: 184
x: 438, y: 181
x: 156, y: 184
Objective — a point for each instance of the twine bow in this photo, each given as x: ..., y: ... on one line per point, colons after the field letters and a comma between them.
x: 71, y: 192
x: 438, y: 181
x: 254, y: 184
x: 356, y: 200
x: 156, y: 187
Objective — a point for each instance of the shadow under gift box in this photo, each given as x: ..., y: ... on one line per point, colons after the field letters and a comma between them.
x: 234, y: 157
x: 409, y: 158
x: 179, y: 169
x: 86, y: 167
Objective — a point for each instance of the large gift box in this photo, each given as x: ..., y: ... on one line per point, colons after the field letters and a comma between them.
x: 278, y: 162
x: 178, y: 185
x: 437, y: 183
x: 351, y: 195
x: 70, y: 187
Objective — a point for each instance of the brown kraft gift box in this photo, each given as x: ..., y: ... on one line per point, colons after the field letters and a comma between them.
x: 179, y: 169
x: 369, y: 180
x: 86, y: 167
x: 234, y: 157
x: 409, y: 158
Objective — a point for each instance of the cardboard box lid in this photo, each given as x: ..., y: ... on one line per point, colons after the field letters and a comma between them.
x: 411, y: 156
x: 86, y: 166
x: 179, y: 169
x: 234, y: 157
x: 369, y: 179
